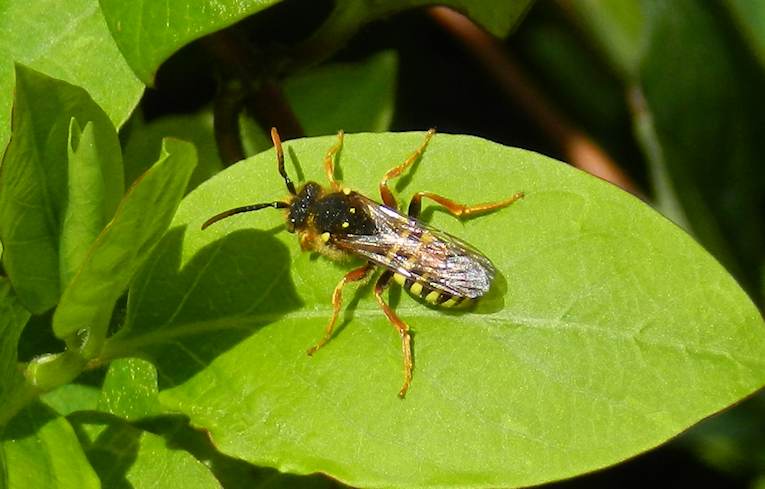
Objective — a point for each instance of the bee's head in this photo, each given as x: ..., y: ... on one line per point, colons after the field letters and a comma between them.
x: 301, y: 205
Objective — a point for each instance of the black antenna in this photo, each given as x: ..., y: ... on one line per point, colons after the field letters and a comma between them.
x: 247, y: 208
x: 280, y: 160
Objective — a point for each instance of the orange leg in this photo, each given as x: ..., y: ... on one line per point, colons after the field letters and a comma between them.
x: 280, y: 160
x: 354, y: 275
x: 456, y: 209
x: 387, y: 196
x: 401, y: 326
x: 329, y: 161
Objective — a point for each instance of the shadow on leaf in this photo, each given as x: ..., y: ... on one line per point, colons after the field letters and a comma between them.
x: 182, y: 316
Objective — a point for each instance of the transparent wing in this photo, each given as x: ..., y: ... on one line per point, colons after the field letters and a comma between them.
x: 420, y: 252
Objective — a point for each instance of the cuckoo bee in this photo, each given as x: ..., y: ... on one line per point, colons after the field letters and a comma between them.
x: 338, y: 222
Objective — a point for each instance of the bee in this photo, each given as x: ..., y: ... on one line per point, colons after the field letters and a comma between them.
x: 338, y: 223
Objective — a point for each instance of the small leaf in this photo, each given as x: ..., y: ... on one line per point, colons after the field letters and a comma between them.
x: 41, y: 450
x: 610, y: 331
x: 149, y: 32
x: 353, y: 96
x: 95, y: 187
x: 130, y: 390
x: 33, y: 181
x: 144, y: 141
x: 140, y: 221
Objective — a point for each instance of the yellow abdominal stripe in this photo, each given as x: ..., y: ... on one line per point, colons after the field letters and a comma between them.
x: 400, y: 279
x: 432, y: 297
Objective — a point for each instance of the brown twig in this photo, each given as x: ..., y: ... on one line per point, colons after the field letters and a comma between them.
x: 577, y: 147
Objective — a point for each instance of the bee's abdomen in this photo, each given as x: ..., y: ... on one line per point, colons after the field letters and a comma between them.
x: 424, y: 291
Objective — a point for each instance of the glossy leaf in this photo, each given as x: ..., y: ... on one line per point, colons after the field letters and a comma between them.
x: 40, y: 449
x: 137, y: 226
x: 149, y: 32
x: 34, y: 181
x: 609, y: 331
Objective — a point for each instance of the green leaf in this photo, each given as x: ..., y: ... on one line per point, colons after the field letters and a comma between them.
x: 144, y: 141
x: 710, y: 161
x: 685, y: 148
x: 34, y: 182
x: 619, y: 30
x: 140, y: 221
x: 40, y: 449
x: 69, y: 41
x: 13, y: 318
x: 351, y: 96
x: 125, y: 456
x: 95, y: 186
x: 609, y: 332
x: 348, y: 16
x: 149, y: 32
x: 130, y: 390
x: 750, y: 18
x: 70, y: 398
x: 355, y: 97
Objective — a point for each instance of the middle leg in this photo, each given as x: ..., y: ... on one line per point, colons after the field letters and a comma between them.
x: 387, y: 196
x: 354, y: 275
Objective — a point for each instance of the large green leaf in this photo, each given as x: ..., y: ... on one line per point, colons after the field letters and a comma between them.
x: 610, y: 330
x: 34, y: 183
x: 66, y: 40
x: 147, y: 33
x: 137, y: 226
x: 40, y: 449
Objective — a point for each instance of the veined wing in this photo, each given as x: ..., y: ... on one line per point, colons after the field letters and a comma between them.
x: 419, y: 252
